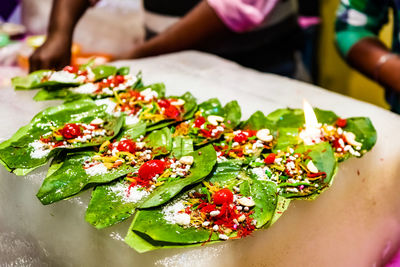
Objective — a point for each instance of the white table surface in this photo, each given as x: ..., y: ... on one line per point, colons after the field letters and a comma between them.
x: 354, y: 223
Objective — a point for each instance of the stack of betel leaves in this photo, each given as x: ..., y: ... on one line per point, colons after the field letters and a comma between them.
x: 187, y: 173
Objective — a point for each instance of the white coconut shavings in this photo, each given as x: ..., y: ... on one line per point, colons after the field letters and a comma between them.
x: 171, y: 212
x: 132, y: 196
x: 88, y: 88
x: 259, y: 172
x: 40, y: 150
x: 109, y: 103
x: 63, y: 77
x: 96, y: 169
x: 131, y: 119
x: 149, y: 94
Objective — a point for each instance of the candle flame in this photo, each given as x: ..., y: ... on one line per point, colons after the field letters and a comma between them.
x: 309, y: 116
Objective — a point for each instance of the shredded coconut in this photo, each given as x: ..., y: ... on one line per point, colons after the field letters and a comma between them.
x: 63, y: 77
x: 130, y: 119
x: 87, y: 88
x: 109, y: 103
x: 96, y: 169
x: 131, y: 196
x: 40, y: 150
x: 171, y: 212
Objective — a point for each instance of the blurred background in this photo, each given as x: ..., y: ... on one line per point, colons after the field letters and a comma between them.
x: 117, y: 25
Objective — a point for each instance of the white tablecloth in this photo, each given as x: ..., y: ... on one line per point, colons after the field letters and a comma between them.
x: 354, y: 223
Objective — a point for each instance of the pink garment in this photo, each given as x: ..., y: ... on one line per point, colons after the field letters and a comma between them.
x: 242, y: 15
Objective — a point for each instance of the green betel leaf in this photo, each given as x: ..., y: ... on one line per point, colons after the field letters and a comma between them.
x: 265, y: 197
x: 230, y: 112
x: 151, y: 223
x: 281, y: 206
x: 115, y: 202
x: 123, y: 71
x: 290, y: 122
x: 28, y: 82
x: 90, y: 89
x: 364, y: 130
x: 68, y: 176
x: 108, y: 206
x: 257, y: 121
x: 157, y: 87
x: 204, y: 161
x: 181, y: 146
x: 153, y: 228
x: 225, y: 172
x: 160, y: 141
x: 71, y: 178
x: 324, y: 159
x: 294, y: 118
x: 25, y: 150
x: 103, y: 71
x: 189, y: 107
x: 287, y: 137
x: 233, y: 114
x: 211, y: 107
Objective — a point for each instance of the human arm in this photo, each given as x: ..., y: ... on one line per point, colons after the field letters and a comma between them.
x: 55, y: 53
x: 357, y: 26
x: 209, y: 19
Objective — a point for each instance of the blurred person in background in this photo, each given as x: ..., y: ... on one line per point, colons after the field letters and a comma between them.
x: 309, y: 21
x: 357, y: 27
x: 260, y: 34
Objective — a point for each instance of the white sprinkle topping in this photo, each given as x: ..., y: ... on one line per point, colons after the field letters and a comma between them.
x: 132, y: 196
x: 96, y: 169
x: 40, y: 150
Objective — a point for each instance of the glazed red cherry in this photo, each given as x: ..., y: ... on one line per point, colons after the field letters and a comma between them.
x: 172, y: 112
x: 199, y: 121
x: 71, y: 69
x: 163, y: 103
x: 71, y: 130
x: 126, y: 145
x: 240, y: 137
x: 223, y: 196
x: 341, y: 122
x: 119, y: 79
x: 270, y: 158
x: 151, y: 168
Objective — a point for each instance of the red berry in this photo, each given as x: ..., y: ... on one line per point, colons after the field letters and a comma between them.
x: 151, y: 168
x: 341, y: 122
x: 119, y: 79
x: 71, y: 69
x: 223, y: 196
x: 126, y: 145
x: 163, y: 103
x: 270, y: 158
x: 172, y: 112
x: 199, y: 121
x: 71, y: 130
x: 240, y: 137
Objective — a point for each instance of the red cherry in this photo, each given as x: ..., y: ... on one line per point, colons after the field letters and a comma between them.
x: 164, y: 103
x: 71, y: 69
x: 270, y: 158
x: 151, y: 168
x: 341, y: 122
x: 171, y: 112
x: 71, y: 130
x: 240, y: 137
x: 199, y: 121
x: 126, y: 145
x: 223, y: 196
x: 119, y: 79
